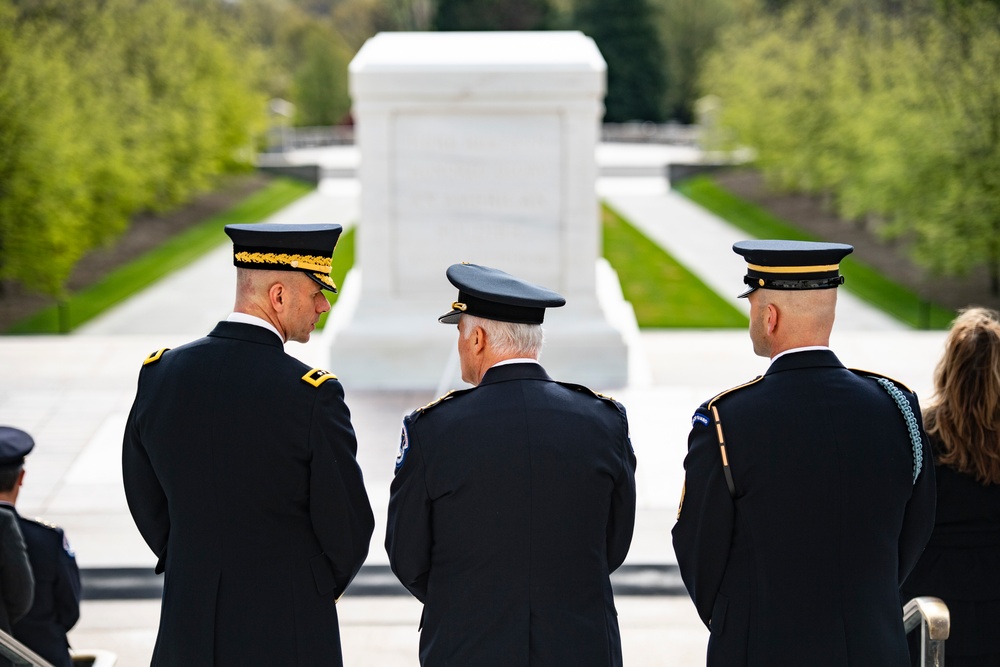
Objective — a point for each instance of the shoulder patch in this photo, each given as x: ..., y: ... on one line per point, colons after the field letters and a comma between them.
x: 318, y: 376
x: 733, y: 389
x: 875, y: 376
x: 154, y: 357
x: 404, y: 447
x: 699, y: 418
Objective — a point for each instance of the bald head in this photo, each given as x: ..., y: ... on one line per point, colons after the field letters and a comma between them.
x: 784, y: 319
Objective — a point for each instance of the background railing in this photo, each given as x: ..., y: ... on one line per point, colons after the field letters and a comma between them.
x: 285, y: 138
x: 931, y: 616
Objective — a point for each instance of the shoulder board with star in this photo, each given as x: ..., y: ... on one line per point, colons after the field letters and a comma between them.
x: 318, y: 376
x: 154, y: 357
x: 440, y: 399
x: 583, y: 389
x: 731, y: 390
x: 45, y: 524
x: 874, y: 375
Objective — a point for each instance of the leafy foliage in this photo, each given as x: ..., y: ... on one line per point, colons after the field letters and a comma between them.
x: 626, y: 35
x: 107, y: 109
x: 893, y: 113
x: 492, y: 15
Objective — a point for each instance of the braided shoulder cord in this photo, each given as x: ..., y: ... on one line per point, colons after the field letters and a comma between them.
x: 911, y: 424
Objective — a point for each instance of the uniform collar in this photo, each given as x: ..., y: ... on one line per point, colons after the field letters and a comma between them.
x: 515, y: 371
x: 246, y: 332
x: 247, y: 318
x: 806, y: 358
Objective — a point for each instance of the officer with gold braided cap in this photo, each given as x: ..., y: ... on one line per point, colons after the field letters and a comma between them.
x: 809, y: 491
x: 240, y: 470
x: 512, y: 501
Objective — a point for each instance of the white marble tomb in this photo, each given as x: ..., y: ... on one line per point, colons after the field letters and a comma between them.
x: 476, y: 147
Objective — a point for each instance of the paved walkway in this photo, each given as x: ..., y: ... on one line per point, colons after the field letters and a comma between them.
x: 73, y: 393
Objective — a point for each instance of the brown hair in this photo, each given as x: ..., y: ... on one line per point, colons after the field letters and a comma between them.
x: 964, y: 415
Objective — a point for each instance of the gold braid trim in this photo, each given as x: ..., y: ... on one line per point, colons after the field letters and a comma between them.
x: 307, y: 262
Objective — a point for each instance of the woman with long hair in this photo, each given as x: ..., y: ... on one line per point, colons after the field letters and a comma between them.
x: 961, y: 564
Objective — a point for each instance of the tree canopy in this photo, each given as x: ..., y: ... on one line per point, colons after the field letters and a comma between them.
x: 891, y: 112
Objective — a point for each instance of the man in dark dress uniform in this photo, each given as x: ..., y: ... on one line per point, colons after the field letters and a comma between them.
x: 240, y: 470
x: 56, y: 605
x: 512, y: 501
x: 17, y: 583
x: 809, y: 491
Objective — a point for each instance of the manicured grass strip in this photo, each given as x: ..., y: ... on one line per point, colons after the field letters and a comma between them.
x: 176, y: 253
x: 662, y: 291
x: 861, y: 279
x: 343, y: 260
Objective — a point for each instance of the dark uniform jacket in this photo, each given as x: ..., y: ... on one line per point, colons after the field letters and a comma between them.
x: 511, y: 505
x: 961, y: 565
x: 56, y: 606
x: 17, y: 585
x: 240, y: 472
x: 803, y: 565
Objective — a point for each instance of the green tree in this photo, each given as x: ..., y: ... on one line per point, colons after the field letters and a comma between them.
x: 106, y: 109
x: 688, y: 30
x: 492, y: 15
x: 320, y: 90
x: 626, y: 35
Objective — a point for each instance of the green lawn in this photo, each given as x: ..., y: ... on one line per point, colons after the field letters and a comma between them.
x: 343, y: 260
x: 176, y: 253
x: 864, y: 281
x: 662, y: 291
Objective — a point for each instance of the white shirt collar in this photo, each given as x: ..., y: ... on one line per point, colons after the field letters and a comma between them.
x: 246, y: 318
x: 799, y: 349
x: 519, y: 360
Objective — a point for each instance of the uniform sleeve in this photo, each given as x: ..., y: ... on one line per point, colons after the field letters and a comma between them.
x: 339, y: 509
x: 704, y: 528
x: 918, y: 520
x: 408, y: 529
x: 146, y: 499
x: 621, y: 522
x: 15, y: 570
x: 66, y: 590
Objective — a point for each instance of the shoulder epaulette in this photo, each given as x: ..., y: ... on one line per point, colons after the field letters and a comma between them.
x: 318, y: 376
x: 154, y: 357
x: 873, y: 374
x: 441, y: 399
x: 590, y: 392
x: 43, y: 523
x: 733, y: 389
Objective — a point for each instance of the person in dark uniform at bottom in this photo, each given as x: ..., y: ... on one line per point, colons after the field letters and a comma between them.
x: 809, y: 491
x: 17, y: 583
x: 56, y: 604
x: 513, y: 501
x: 240, y: 470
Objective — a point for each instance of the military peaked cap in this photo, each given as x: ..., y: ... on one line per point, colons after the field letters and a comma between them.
x: 15, y: 444
x: 278, y: 247
x: 495, y: 295
x: 792, y: 265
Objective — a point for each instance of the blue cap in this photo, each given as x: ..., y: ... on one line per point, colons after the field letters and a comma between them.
x: 495, y: 295
x: 15, y: 444
x: 278, y: 247
x: 792, y: 265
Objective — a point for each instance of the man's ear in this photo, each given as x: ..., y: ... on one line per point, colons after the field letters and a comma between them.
x: 772, y: 318
x: 276, y: 294
x: 479, y: 339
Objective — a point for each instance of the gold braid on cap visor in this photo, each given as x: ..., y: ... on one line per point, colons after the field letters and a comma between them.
x: 320, y: 266
x: 304, y: 262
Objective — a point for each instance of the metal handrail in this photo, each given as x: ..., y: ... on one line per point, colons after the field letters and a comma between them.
x: 19, y: 654
x: 931, y: 614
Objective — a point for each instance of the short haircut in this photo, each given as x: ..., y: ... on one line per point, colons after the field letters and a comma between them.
x: 8, y: 476
x: 510, y: 339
